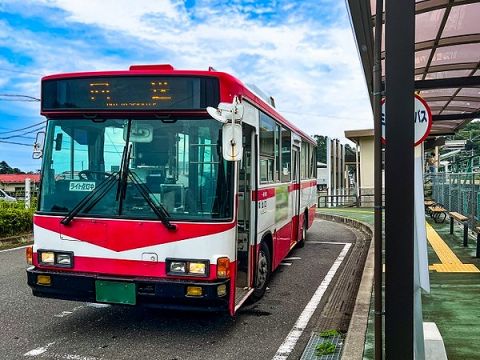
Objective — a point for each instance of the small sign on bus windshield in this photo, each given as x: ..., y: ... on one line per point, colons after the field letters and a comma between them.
x: 81, y: 186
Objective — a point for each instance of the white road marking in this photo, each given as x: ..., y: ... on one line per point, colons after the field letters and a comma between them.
x: 16, y: 248
x: 63, y: 314
x: 285, y: 264
x: 98, y: 305
x: 293, y: 258
x: 291, y: 340
x: 38, y: 351
x: 70, y: 357
x: 92, y: 305
x: 70, y: 312
x: 326, y: 242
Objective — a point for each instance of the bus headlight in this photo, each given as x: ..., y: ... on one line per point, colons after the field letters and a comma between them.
x: 64, y: 259
x: 178, y: 267
x: 197, y: 268
x: 187, y: 267
x: 55, y: 258
x: 47, y: 257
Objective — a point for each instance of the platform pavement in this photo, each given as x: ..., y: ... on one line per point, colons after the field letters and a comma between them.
x: 454, y: 301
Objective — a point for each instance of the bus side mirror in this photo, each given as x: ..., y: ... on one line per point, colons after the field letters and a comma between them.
x: 232, y: 146
x: 38, y: 146
x: 230, y: 115
x: 58, y: 142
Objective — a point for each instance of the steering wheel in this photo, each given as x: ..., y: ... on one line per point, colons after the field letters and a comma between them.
x: 89, y: 174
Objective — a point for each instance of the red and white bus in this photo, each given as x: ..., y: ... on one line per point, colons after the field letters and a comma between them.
x: 147, y: 199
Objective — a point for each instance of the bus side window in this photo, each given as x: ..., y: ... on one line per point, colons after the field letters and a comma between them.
x: 266, y: 170
x: 268, y: 148
x: 286, y: 155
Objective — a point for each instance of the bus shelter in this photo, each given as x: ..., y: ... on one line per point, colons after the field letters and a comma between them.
x: 432, y: 48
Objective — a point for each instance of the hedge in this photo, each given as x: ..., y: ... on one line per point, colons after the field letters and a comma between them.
x: 15, y: 220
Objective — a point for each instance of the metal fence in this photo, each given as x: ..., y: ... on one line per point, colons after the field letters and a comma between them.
x: 344, y: 198
x: 459, y: 192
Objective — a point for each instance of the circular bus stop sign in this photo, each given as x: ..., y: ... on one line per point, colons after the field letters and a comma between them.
x: 422, y: 119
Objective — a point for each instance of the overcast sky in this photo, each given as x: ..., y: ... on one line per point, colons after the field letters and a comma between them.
x: 300, y: 52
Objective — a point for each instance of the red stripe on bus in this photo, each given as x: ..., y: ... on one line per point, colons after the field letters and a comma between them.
x: 122, y: 235
x: 308, y: 184
x: 263, y: 194
x: 293, y: 187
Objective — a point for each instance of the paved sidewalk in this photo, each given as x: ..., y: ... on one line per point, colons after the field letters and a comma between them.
x: 454, y: 301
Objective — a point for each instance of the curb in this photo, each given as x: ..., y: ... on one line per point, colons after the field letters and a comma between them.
x: 16, y: 238
x: 355, y: 340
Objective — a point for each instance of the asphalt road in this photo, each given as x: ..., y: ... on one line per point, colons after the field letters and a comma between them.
x: 35, y: 328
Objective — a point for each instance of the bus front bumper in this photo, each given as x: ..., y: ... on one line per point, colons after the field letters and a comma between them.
x: 150, y: 292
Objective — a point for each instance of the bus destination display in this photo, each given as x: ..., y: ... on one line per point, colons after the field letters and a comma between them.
x: 130, y: 93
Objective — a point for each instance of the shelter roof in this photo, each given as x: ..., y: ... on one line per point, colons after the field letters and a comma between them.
x: 447, y: 56
x: 356, y: 134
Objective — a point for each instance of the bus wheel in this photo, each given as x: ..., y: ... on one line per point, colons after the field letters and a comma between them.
x: 263, y: 271
x: 301, y: 243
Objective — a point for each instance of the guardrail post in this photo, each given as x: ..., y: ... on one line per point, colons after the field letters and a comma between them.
x: 27, y: 193
x: 451, y: 225
x: 465, y: 233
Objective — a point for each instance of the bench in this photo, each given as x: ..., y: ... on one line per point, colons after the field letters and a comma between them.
x: 455, y: 216
x: 436, y: 212
x: 428, y: 204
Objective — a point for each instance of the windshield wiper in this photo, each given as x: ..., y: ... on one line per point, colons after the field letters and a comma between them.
x: 157, y: 208
x: 92, y: 198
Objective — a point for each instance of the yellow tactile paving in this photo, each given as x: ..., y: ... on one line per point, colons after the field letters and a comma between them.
x: 450, y: 261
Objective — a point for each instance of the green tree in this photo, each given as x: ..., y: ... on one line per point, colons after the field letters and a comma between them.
x: 470, y: 132
x: 321, y: 148
x: 7, y: 169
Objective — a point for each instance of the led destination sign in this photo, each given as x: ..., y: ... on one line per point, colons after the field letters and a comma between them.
x: 130, y: 93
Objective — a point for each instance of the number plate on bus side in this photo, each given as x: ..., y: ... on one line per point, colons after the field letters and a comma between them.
x: 115, y: 292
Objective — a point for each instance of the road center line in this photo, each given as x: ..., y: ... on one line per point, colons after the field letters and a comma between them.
x: 291, y: 340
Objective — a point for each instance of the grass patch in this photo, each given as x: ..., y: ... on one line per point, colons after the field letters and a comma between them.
x: 325, y: 348
x: 330, y: 333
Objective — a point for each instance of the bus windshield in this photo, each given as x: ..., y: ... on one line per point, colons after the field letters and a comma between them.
x: 177, y: 161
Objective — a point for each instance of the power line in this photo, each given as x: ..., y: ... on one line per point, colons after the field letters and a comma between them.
x: 25, y: 128
x: 19, y: 97
x: 20, y: 72
x: 19, y: 100
x: 24, y: 133
x: 14, y: 143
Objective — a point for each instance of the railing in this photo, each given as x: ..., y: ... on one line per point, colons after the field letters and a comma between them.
x: 336, y: 200
x: 458, y: 192
x: 363, y: 200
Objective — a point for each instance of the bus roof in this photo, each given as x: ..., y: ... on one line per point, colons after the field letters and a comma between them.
x: 229, y: 87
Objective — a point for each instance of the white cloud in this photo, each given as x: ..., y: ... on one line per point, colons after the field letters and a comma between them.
x: 307, y: 66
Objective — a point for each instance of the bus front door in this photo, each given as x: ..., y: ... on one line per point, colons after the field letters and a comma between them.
x: 246, y: 219
x: 295, y: 197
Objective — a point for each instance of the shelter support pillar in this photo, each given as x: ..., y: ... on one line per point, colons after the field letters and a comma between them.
x: 399, y: 179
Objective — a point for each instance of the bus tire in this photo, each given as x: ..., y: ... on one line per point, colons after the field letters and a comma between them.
x: 264, y: 265
x: 301, y: 243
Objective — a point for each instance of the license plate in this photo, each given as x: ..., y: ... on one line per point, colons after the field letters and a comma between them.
x: 115, y: 292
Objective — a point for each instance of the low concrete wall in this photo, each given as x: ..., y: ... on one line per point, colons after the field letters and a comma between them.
x: 355, y: 341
